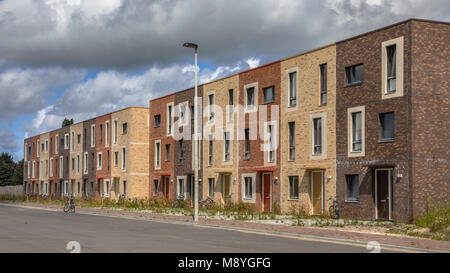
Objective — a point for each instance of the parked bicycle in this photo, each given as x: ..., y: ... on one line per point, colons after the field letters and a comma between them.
x: 207, y: 203
x: 70, y: 205
x: 334, y: 209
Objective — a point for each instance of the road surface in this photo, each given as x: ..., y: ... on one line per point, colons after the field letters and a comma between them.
x: 37, y: 230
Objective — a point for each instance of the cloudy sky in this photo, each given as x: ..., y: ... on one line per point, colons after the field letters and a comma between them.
x: 81, y: 58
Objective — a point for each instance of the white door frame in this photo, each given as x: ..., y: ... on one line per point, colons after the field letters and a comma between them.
x: 262, y: 189
x: 322, y: 172
x: 390, y: 170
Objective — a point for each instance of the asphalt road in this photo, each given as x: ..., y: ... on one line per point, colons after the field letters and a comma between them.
x: 33, y: 230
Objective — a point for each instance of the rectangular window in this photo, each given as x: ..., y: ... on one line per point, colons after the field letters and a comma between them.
x: 93, y: 135
x: 323, y: 84
x: 271, y: 142
x: 78, y: 163
x: 250, y: 98
x: 115, y: 131
x: 169, y: 120
x: 212, y: 184
x: 101, y: 133
x: 248, y: 181
x: 107, y: 133
x: 107, y: 188
x: 155, y: 186
x: 167, y: 152
x: 352, y: 187
x: 61, y: 165
x: 227, y: 155
x: 125, y: 128
x: 79, y: 138
x: 56, y: 144
x: 182, y: 115
x: 73, y: 164
x: 51, y: 166
x: 124, y: 158
x: 99, y: 161
x: 157, y: 120
x: 86, y: 159
x: 108, y: 160
x: 211, y: 106
x: 38, y: 148
x: 116, y: 159
x: 157, y: 155
x: 231, y: 105
x: 356, y: 132
x: 354, y: 74
x: 247, y: 144
x: 125, y: 187
x: 292, y: 89
x: 46, y: 145
x: 391, y: 68
x: 192, y: 112
x: 317, y: 137
x: 180, y: 143
x: 66, y: 141
x: 72, y: 140
x: 211, y: 147
x: 387, y: 126
x: 269, y: 95
x: 180, y: 188
x: 293, y: 187
x: 292, y: 140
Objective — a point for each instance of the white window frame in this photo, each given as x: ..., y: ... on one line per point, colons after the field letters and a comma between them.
x: 184, y: 193
x: 186, y: 115
x: 61, y: 166
x: 350, y: 111
x: 93, y: 132
x: 99, y: 160
x: 398, y: 42
x: 230, y: 145
x: 253, y: 198
x: 115, y: 131
x: 124, y: 157
x: 255, y: 97
x: 34, y: 169
x: 107, y: 128
x: 78, y: 163
x: 38, y: 148
x: 28, y: 169
x: 324, y: 127
x: 157, y: 166
x: 46, y: 145
x: 72, y: 140
x: 56, y: 144
x: 230, y: 108
x: 210, y: 110
x: 169, y: 121
x: 66, y: 141
x: 106, y: 187
x: 51, y: 167
x: 267, y: 143
x: 288, y: 86
x: 86, y: 163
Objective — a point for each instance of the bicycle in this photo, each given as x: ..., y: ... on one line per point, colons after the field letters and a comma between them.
x: 207, y: 203
x: 70, y: 205
x: 334, y: 209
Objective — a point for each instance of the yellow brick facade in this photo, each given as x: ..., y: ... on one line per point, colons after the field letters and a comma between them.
x: 44, y: 162
x: 76, y: 158
x: 136, y: 144
x: 219, y: 168
x: 308, y: 106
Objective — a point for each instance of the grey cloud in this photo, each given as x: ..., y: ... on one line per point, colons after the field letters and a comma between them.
x: 146, y: 33
x: 8, y: 141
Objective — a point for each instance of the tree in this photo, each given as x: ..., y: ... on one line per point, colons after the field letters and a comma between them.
x: 17, y: 178
x: 7, y: 169
x: 67, y: 122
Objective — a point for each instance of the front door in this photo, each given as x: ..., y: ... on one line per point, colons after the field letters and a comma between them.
x: 166, y: 186
x: 226, y: 188
x: 317, y: 192
x: 383, y: 178
x: 267, y: 180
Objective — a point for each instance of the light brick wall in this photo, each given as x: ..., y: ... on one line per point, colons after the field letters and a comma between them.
x: 308, y: 103
x: 221, y: 99
x: 75, y: 176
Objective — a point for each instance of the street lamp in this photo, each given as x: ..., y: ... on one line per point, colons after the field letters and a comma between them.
x: 194, y: 46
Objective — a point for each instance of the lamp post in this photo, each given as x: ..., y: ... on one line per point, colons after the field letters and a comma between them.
x: 195, y: 47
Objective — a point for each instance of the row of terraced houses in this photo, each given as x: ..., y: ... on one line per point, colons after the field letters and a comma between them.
x: 364, y: 121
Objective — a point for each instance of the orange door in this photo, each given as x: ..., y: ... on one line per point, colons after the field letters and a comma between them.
x: 266, y: 184
x: 166, y: 185
x: 317, y: 192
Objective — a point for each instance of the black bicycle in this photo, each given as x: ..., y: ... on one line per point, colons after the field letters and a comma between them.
x: 334, y: 209
x: 70, y: 205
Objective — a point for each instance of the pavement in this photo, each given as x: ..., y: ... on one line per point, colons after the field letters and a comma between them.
x: 34, y: 228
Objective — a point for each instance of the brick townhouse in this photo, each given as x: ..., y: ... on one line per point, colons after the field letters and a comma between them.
x: 161, y: 155
x: 258, y: 132
x: 89, y: 159
x: 76, y: 153
x: 53, y: 165
x: 219, y: 144
x: 362, y: 121
x: 182, y: 144
x: 308, y: 114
